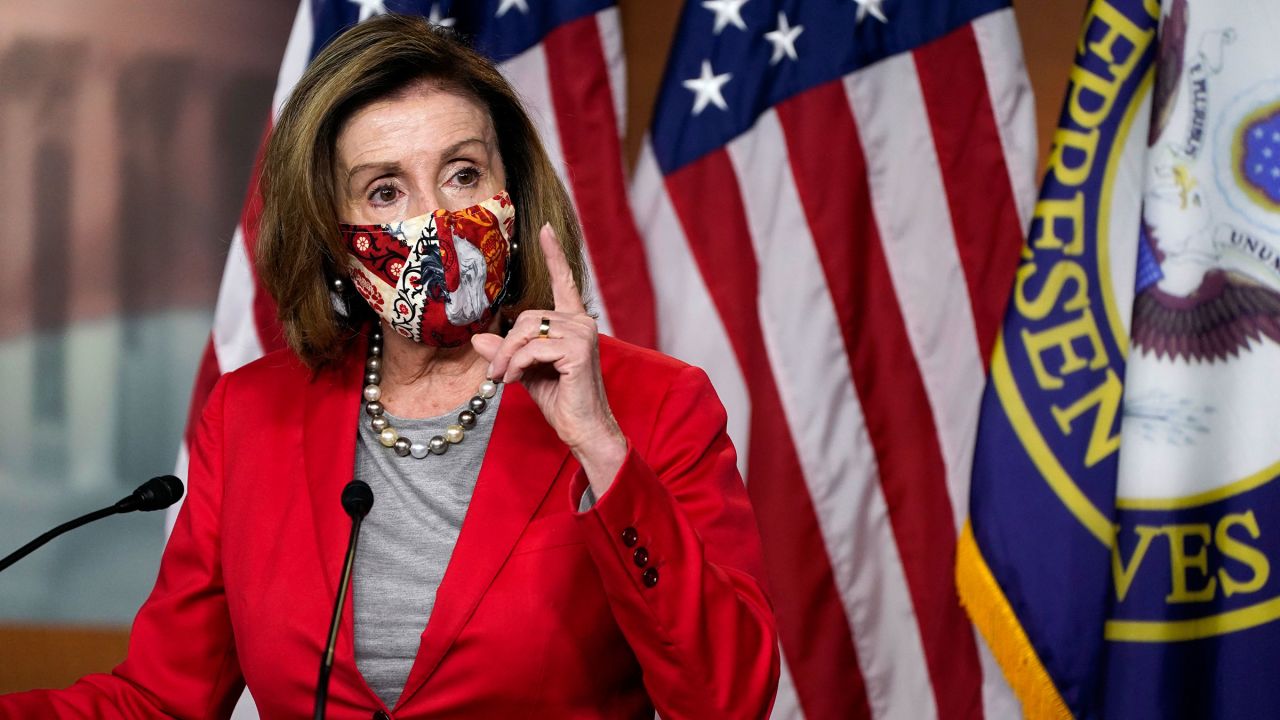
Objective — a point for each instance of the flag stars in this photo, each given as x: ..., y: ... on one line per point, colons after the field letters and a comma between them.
x: 872, y: 8
x: 505, y: 6
x: 369, y: 8
x: 728, y: 12
x: 706, y: 88
x: 783, y: 40
x: 435, y: 17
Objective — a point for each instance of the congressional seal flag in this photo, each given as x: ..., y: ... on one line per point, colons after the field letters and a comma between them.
x: 1123, y: 514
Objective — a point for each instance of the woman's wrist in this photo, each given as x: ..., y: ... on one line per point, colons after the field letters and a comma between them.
x: 601, y: 456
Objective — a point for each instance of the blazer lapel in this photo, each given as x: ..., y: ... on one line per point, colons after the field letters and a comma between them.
x: 333, y: 406
x: 520, y: 466
x: 329, y: 444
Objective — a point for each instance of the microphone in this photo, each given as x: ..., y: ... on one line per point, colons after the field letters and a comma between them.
x: 357, y: 499
x: 155, y: 494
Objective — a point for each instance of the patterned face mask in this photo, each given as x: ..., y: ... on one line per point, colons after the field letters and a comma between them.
x: 436, y: 278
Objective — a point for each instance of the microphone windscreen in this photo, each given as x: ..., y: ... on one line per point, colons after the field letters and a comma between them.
x: 158, y: 493
x: 357, y: 499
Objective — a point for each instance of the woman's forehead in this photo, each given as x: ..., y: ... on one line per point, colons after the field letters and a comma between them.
x: 424, y: 119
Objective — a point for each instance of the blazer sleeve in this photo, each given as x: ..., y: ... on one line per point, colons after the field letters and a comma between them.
x: 678, y: 551
x: 181, y: 660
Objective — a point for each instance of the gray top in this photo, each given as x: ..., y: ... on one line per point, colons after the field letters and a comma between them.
x: 407, y: 539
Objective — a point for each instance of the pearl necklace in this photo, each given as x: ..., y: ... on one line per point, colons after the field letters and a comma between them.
x: 388, y: 435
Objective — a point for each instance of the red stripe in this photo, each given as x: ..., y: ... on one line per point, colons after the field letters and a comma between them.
x: 984, y: 213
x: 264, y: 308
x: 831, y: 177
x: 815, y: 632
x: 579, y: 80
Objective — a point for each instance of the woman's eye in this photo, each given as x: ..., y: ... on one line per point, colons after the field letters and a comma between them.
x: 467, y: 177
x: 384, y: 195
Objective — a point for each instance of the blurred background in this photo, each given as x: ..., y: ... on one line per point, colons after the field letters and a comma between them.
x: 127, y: 135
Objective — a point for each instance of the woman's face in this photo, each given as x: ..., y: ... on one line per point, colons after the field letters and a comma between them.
x: 426, y: 149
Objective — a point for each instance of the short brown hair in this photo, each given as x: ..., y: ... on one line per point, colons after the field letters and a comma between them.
x: 299, y: 248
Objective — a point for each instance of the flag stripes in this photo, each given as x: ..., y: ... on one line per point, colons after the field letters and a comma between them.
x: 592, y: 150
x: 805, y: 595
x: 815, y: 381
x: 857, y: 242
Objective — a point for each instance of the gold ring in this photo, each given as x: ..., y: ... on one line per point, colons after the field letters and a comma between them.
x: 544, y: 328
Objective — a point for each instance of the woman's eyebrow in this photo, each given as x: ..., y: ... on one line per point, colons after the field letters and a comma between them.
x: 386, y: 168
x: 448, y: 153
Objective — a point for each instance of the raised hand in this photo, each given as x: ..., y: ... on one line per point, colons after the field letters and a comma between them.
x: 555, y: 355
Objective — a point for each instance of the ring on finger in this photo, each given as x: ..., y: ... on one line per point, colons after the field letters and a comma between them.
x: 544, y: 328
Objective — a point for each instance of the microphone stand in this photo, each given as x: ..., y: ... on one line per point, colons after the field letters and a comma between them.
x: 155, y: 494
x: 357, y: 498
x: 27, y: 549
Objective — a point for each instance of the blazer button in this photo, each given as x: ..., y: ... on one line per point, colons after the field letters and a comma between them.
x: 630, y: 537
x: 381, y: 715
x: 641, y: 557
x: 650, y: 577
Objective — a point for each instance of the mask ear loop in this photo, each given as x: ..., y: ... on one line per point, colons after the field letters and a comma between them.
x: 514, y: 288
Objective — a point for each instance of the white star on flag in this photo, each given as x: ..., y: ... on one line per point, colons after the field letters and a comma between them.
x: 871, y: 7
x: 434, y: 17
x: 783, y: 39
x: 369, y: 8
x: 727, y: 11
x: 706, y: 88
x: 506, y: 5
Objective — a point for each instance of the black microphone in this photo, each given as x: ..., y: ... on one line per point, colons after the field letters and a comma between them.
x: 357, y: 499
x: 155, y: 494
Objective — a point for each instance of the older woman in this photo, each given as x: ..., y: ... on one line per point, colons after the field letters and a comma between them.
x: 559, y: 529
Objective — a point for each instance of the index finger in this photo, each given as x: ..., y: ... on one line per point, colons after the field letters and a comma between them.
x: 564, y: 291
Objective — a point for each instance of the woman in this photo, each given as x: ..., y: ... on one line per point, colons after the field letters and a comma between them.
x: 426, y: 265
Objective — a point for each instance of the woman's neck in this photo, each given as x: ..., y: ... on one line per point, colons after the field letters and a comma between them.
x: 420, y: 381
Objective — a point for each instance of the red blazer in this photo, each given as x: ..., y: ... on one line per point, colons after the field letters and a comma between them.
x: 542, y: 612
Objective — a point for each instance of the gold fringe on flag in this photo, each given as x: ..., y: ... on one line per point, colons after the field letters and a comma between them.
x: 989, y: 610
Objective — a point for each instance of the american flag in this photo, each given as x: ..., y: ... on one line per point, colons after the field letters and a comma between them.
x: 831, y: 200
x: 833, y: 197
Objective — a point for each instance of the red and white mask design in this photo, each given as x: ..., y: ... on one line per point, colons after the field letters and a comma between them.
x: 436, y: 278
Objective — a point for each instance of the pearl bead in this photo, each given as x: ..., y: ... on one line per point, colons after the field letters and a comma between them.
x: 467, y: 419
x: 371, y: 393
x: 454, y: 434
x: 375, y: 349
x: 488, y: 389
x: 373, y: 378
x: 478, y: 404
x: 418, y: 450
x: 373, y: 364
x: 402, y: 446
x: 374, y: 408
x: 338, y: 285
x: 388, y: 436
x: 376, y: 336
x: 437, y: 445
x: 379, y: 424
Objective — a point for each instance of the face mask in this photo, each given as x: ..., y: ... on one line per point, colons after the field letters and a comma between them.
x: 436, y: 278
